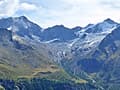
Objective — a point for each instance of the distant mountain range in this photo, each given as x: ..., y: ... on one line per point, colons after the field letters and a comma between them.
x: 87, y: 56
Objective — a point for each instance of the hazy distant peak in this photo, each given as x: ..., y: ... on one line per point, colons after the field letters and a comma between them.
x: 109, y: 21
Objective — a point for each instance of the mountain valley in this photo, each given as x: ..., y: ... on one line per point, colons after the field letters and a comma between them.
x: 59, y: 58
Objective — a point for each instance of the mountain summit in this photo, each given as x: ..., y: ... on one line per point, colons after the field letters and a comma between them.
x: 21, y: 26
x: 108, y: 20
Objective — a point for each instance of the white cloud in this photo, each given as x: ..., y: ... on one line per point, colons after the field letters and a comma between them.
x: 112, y: 4
x: 8, y: 7
x: 27, y: 7
x: 67, y: 12
x: 80, y: 12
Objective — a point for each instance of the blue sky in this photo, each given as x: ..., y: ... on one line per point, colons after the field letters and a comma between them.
x: 70, y: 13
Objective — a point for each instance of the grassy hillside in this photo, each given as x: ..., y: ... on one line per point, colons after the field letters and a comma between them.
x: 30, y: 63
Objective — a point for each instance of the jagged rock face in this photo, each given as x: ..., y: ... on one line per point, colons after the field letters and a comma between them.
x: 110, y: 44
x: 6, y: 39
x: 111, y: 38
x: 5, y: 35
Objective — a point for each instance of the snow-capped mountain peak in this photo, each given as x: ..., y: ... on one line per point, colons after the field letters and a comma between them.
x: 21, y: 26
x: 102, y: 27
